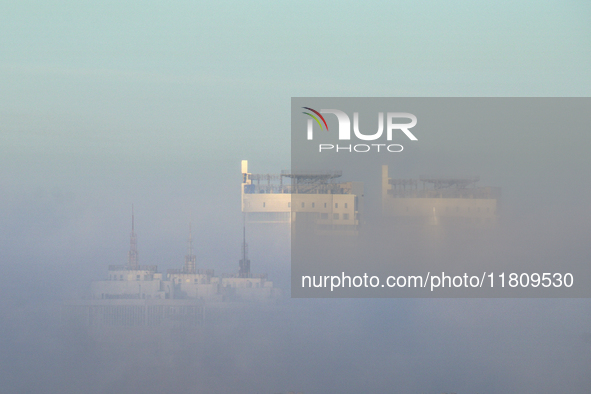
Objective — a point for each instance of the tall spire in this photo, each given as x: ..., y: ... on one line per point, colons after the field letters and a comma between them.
x: 190, y: 240
x: 133, y: 262
x: 190, y: 266
x: 244, y: 262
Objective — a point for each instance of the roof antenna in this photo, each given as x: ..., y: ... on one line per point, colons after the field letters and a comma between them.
x: 190, y: 266
x: 133, y: 262
x: 244, y: 262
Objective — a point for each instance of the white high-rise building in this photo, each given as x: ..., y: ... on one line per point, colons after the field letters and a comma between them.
x: 280, y: 198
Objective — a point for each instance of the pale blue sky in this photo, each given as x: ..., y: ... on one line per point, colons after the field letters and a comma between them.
x: 162, y: 78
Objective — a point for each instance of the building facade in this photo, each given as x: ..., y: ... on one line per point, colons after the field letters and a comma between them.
x: 280, y: 198
x: 439, y: 200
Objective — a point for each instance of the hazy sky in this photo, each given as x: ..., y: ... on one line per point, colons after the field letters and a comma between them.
x: 122, y: 96
x: 104, y: 104
x: 163, y: 81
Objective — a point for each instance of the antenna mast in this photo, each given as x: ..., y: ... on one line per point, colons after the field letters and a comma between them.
x: 190, y: 266
x: 133, y: 262
x: 244, y: 262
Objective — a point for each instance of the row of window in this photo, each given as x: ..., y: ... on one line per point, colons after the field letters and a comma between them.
x: 138, y: 277
x: 195, y: 281
x: 336, y: 205
x: 335, y: 216
x: 458, y: 209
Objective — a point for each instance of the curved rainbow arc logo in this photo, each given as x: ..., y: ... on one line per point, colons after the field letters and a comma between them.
x: 315, y: 118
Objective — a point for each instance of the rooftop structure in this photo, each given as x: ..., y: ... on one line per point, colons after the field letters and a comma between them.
x: 334, y: 206
x: 136, y: 295
x: 439, y: 200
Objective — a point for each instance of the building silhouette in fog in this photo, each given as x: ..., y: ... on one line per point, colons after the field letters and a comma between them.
x: 140, y: 295
x: 439, y: 200
x: 304, y: 195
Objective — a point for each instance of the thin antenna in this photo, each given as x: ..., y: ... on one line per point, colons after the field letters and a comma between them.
x: 190, y: 239
x: 133, y: 262
x: 190, y: 259
x: 244, y: 262
x: 243, y: 239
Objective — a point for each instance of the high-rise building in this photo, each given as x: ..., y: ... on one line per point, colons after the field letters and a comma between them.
x: 280, y: 198
x: 137, y: 295
x: 439, y: 200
